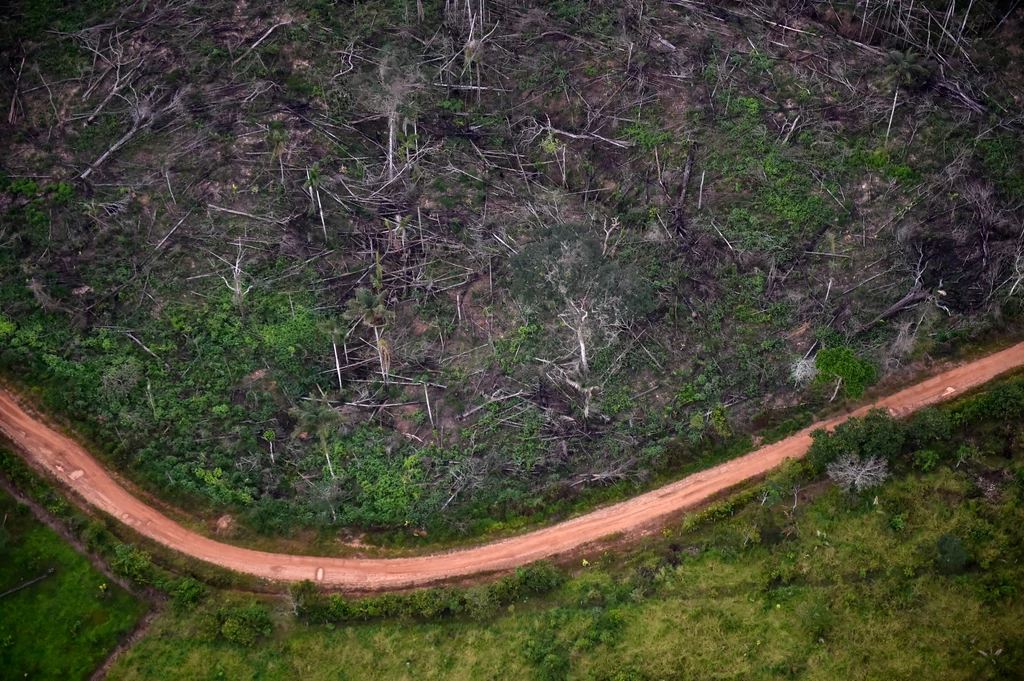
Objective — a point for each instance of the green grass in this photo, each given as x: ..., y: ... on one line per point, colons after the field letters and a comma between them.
x: 832, y: 590
x: 64, y: 626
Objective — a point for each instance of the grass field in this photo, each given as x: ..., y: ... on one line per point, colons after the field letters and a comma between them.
x: 65, y: 625
x: 839, y: 588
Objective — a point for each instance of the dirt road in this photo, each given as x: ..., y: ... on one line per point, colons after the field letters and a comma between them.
x: 78, y: 470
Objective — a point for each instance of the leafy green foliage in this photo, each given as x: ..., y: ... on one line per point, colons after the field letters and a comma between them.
x: 514, y: 350
x: 560, y: 633
x: 905, y: 69
x: 7, y: 327
x: 926, y: 460
x: 1002, y: 158
x: 388, y: 480
x: 646, y: 136
x: 929, y: 426
x: 874, y: 435
x: 131, y: 562
x: 479, y: 602
x: 779, y: 203
x: 188, y: 592
x: 244, y: 624
x: 842, y: 363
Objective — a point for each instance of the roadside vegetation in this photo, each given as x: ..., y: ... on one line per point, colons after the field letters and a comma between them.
x: 432, y: 272
x: 66, y: 623
x: 892, y: 548
x: 850, y: 597
x: 915, y: 573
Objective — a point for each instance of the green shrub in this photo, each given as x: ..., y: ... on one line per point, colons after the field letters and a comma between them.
x: 480, y: 602
x: 7, y: 327
x: 308, y: 600
x: 646, y: 136
x: 841, y: 363
x: 540, y: 577
x: 874, y: 435
x: 953, y: 555
x: 243, y: 625
x: 96, y: 537
x: 819, y: 620
x: 434, y: 603
x: 929, y: 426
x: 187, y: 592
x: 24, y: 186
x: 926, y: 460
x: 967, y: 452
x: 131, y: 562
x: 63, y: 193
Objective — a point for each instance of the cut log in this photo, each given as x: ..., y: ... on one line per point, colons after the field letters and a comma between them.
x: 679, y: 210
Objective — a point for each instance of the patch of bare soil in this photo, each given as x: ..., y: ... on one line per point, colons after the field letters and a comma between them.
x: 225, y: 524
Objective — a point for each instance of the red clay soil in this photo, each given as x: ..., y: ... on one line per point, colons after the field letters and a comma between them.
x: 73, y: 465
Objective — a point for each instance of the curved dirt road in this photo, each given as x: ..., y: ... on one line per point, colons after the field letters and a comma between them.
x: 69, y: 462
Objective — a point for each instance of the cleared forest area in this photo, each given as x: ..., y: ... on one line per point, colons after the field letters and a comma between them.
x: 440, y: 270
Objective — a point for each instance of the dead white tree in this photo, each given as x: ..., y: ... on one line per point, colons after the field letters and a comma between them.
x: 395, y: 88
x: 236, y: 283
x: 125, y: 71
x: 802, y: 371
x: 144, y: 113
x: 593, y: 317
x: 1018, y: 265
x: 851, y: 470
x: 610, y: 229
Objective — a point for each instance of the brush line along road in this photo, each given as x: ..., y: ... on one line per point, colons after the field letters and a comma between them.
x: 76, y: 468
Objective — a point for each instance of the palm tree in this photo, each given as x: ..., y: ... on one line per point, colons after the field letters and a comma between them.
x: 313, y: 177
x: 905, y: 69
x: 369, y: 309
x: 338, y: 332
x: 269, y: 435
x: 316, y: 416
x: 277, y: 137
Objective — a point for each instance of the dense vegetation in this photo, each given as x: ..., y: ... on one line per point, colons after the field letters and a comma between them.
x: 64, y: 625
x: 919, y: 576
x: 438, y: 270
x: 792, y: 577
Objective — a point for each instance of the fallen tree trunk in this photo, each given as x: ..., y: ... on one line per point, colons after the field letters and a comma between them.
x: 916, y: 295
x: 28, y: 583
x: 679, y: 209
